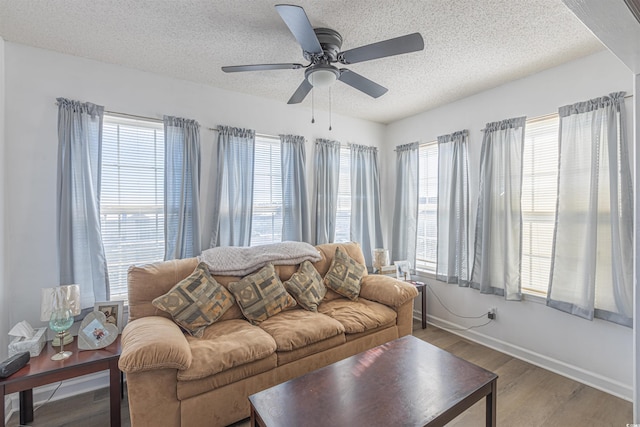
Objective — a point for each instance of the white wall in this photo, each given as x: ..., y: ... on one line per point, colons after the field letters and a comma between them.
x: 35, y: 78
x: 598, y: 353
x: 4, y: 304
x: 636, y: 261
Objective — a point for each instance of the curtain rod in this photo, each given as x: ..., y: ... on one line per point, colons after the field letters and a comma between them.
x: 262, y: 135
x: 133, y: 116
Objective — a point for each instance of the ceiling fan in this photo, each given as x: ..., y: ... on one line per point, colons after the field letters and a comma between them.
x: 321, y: 47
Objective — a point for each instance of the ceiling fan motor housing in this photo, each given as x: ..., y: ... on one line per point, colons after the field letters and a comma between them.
x: 330, y: 41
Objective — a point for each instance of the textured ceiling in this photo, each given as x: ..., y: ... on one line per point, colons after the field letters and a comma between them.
x: 470, y: 45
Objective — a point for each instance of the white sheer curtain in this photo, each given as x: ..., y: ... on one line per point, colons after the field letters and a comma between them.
x: 80, y: 250
x: 496, y: 266
x: 365, y: 200
x: 591, y: 271
x: 405, y: 212
x: 234, y: 191
x: 295, y: 215
x: 181, y: 188
x: 453, y: 209
x: 327, y: 165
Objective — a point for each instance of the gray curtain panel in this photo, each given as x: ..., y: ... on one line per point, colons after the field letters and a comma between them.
x: 181, y: 188
x: 327, y: 165
x: 453, y: 209
x: 234, y: 191
x: 405, y: 211
x: 592, y: 261
x: 295, y: 215
x: 496, y: 266
x: 81, y: 252
x: 365, y: 200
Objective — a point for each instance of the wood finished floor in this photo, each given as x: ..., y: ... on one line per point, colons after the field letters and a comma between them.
x: 528, y: 396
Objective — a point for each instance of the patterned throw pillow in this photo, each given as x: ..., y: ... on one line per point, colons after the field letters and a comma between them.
x: 344, y: 275
x: 196, y: 302
x: 261, y: 295
x: 306, y: 286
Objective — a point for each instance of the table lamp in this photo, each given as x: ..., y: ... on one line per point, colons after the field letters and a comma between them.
x: 380, y: 259
x: 64, y: 302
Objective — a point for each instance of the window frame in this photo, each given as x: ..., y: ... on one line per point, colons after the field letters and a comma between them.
x: 541, y: 217
x: 272, y: 207
x: 427, y: 266
x: 117, y: 257
x: 343, y: 203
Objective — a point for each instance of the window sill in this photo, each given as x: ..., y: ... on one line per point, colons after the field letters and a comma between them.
x: 538, y: 299
x: 424, y: 274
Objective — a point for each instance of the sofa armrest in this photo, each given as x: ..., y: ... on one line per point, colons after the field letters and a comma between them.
x: 153, y: 342
x: 387, y: 290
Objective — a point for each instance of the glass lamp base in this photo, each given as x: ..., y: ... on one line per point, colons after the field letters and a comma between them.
x: 68, y: 339
x: 61, y: 356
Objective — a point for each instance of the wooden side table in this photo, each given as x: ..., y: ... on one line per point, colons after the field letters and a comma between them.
x: 422, y: 288
x: 41, y: 370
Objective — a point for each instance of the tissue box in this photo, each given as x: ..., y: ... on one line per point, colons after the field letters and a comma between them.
x: 33, y: 345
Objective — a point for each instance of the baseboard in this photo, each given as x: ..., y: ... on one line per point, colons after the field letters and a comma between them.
x: 583, y: 376
x: 68, y: 388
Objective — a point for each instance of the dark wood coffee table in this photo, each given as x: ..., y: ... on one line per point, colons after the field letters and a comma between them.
x: 41, y: 370
x: 405, y: 382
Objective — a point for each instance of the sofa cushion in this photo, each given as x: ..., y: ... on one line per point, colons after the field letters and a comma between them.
x: 196, y: 301
x: 148, y: 281
x: 293, y: 329
x: 344, y: 275
x: 358, y: 316
x: 224, y: 345
x: 261, y: 295
x: 293, y: 356
x: 306, y: 286
x: 327, y: 251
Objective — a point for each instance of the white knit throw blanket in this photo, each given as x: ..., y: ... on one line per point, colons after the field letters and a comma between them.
x: 240, y: 261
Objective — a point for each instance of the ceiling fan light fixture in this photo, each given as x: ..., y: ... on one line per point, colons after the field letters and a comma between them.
x: 321, y: 77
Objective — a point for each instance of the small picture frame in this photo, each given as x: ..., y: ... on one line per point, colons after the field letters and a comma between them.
x: 95, y: 333
x: 113, y: 311
x: 403, y: 270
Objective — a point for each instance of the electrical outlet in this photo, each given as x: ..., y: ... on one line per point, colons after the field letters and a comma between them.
x: 492, y: 313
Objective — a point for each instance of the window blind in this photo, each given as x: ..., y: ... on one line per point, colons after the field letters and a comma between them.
x: 266, y: 221
x: 343, y: 211
x: 427, y: 239
x: 538, y: 201
x: 131, y: 197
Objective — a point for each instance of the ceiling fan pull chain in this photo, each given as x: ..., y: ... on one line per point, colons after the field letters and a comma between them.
x: 329, y: 107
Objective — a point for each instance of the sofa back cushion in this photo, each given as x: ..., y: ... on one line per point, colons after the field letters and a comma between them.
x: 328, y: 250
x: 147, y: 282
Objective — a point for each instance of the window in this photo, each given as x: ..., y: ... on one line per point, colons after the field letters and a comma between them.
x: 427, y: 239
x: 266, y: 222
x: 131, y: 197
x: 538, y: 202
x: 343, y: 211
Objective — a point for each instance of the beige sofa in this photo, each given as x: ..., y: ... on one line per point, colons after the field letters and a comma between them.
x: 175, y: 379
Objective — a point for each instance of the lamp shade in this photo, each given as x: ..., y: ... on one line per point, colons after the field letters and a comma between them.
x: 58, y: 297
x: 380, y: 258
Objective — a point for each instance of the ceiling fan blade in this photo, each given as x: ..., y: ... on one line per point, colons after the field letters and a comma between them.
x: 261, y: 67
x: 300, y: 93
x: 298, y: 23
x: 361, y: 83
x: 399, y: 45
